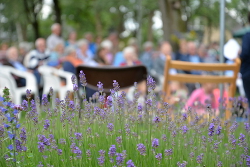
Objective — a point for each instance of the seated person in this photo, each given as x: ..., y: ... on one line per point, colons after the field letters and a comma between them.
x: 204, y: 96
x: 12, y: 58
x: 71, y: 57
x: 130, y: 57
x: 101, y: 56
x: 55, y: 55
x: 178, y: 92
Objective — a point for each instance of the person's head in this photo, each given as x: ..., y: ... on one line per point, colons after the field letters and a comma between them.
x: 83, y: 45
x: 88, y: 36
x: 98, y: 40
x: 129, y: 54
x: 113, y: 36
x: 183, y: 46
x: 192, y: 49
x: 202, y: 51
x: 4, y: 46
x: 102, y: 52
x: 209, y: 87
x: 72, y: 36
x: 148, y: 46
x: 70, y: 51
x: 12, y: 54
x: 56, y: 29
x: 166, y: 48
x: 59, y: 48
x: 107, y: 44
x: 40, y: 44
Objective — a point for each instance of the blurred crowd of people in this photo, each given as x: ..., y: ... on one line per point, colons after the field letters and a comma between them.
x: 72, y: 52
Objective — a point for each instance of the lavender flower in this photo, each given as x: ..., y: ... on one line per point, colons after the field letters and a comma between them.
x: 109, y: 101
x: 51, y: 91
x: 41, y: 146
x: 247, y: 126
x: 23, y: 136
x: 158, y: 156
x: 78, y: 136
x: 211, y: 129
x: 219, y: 164
x: 139, y: 108
x: 150, y: 84
x: 119, y: 159
x: 199, y: 158
x: 149, y: 102
x: 184, y: 117
x: 248, y: 161
x: 218, y: 130
x: 101, y: 160
x: 119, y: 140
x: 157, y: 120
x: 45, y: 100
x: 168, y: 152
x: 130, y: 163
x: 100, y: 87
x: 112, y: 151
x: 59, y: 151
x: 25, y: 105
x: 73, y: 79
x: 83, y: 80
x: 116, y: 86
x: 110, y: 126
x: 1, y: 131
x: 75, y: 87
x: 28, y: 93
x: 46, y: 124
x: 102, y: 152
x: 155, y: 143
x: 242, y: 138
x: 141, y: 148
x: 184, y: 129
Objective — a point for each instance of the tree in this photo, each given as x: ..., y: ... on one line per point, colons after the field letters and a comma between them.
x: 32, y: 10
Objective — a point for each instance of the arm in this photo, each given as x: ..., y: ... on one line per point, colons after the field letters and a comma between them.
x: 194, y: 96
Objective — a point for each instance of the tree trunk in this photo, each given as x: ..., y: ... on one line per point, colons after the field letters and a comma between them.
x: 35, y: 25
x: 19, y: 32
x: 98, y: 24
x: 150, y: 29
x: 166, y: 12
x: 57, y: 10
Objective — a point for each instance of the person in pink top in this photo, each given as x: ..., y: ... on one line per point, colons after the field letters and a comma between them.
x: 201, y: 98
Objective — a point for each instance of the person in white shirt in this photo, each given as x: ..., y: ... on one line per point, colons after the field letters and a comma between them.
x: 54, y: 39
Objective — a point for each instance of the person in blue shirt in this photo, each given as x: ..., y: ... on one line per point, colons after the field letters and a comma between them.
x: 245, y: 63
x: 12, y: 57
x: 92, y: 45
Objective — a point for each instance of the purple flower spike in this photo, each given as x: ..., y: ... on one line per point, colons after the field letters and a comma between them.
x: 248, y: 161
x: 116, y: 86
x: 141, y: 148
x: 211, y: 129
x: 41, y: 146
x: 199, y: 158
x: 130, y: 163
x: 28, y: 93
x: 46, y: 124
x: 100, y: 87
x: 158, y: 156
x: 150, y: 84
x: 112, y: 151
x: 83, y: 80
x: 109, y: 101
x: 110, y: 126
x: 119, y: 159
x: 168, y: 152
x: 155, y: 143
x: 184, y: 129
x: 218, y: 130
x: 157, y: 120
x: 101, y: 160
x: 78, y: 136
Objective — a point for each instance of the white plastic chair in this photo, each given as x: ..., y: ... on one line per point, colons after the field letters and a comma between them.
x: 5, y: 82
x: 51, y: 78
x: 18, y: 92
